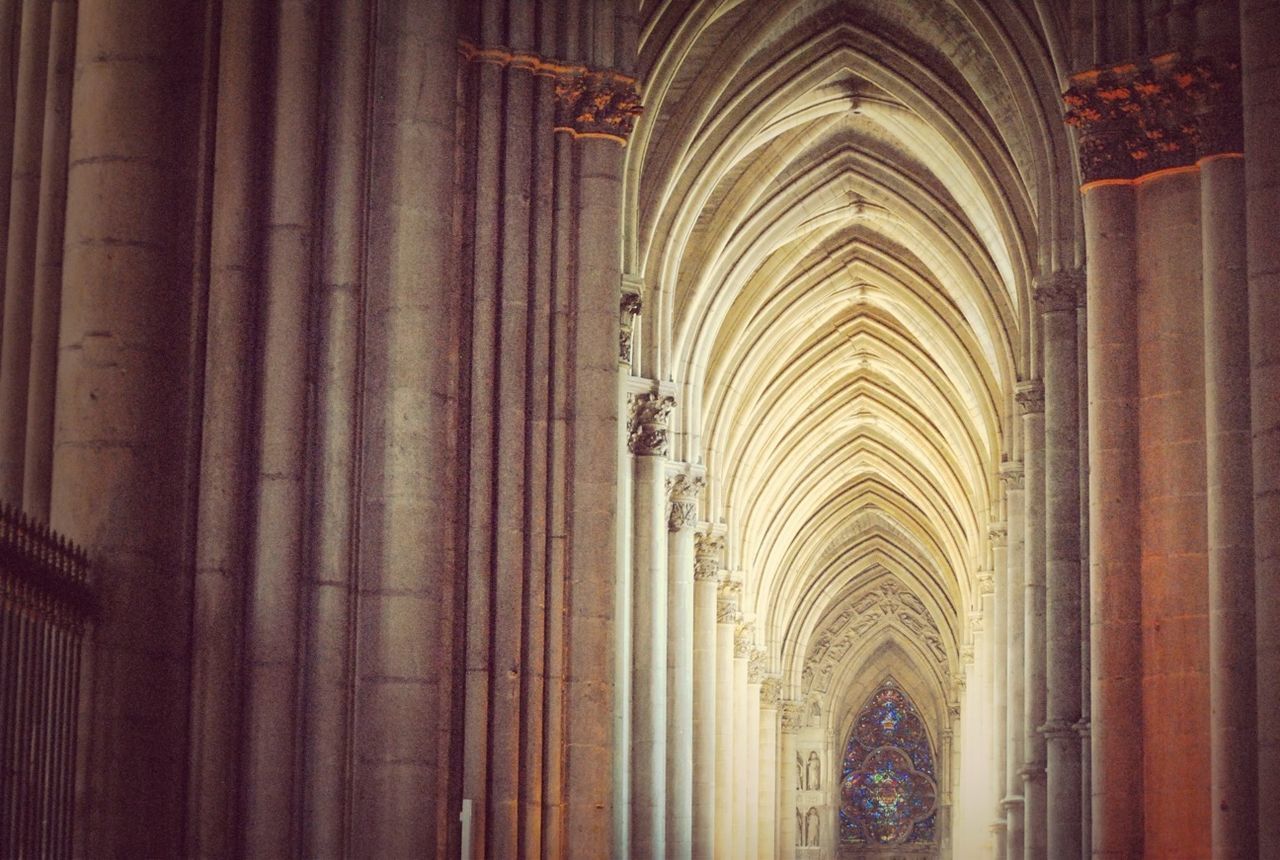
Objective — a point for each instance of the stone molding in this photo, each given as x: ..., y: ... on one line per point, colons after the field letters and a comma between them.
x: 683, y: 491
x: 1057, y: 729
x: 629, y: 308
x: 590, y: 102
x: 1013, y: 801
x: 1030, y: 397
x: 1011, y: 475
x: 649, y: 414
x: 1083, y: 727
x: 1136, y: 118
x: 1062, y: 290
x: 707, y: 548
x: 1032, y: 771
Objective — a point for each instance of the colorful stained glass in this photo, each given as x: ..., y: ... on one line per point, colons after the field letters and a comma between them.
x: 888, y: 791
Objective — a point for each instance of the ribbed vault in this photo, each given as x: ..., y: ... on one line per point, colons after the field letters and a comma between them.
x: 837, y: 210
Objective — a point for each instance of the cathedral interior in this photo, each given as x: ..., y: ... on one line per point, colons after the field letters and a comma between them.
x: 640, y: 429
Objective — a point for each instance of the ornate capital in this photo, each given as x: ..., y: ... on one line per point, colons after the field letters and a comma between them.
x: 1168, y: 111
x: 1062, y: 290
x: 792, y: 716
x: 1032, y: 771
x: 953, y: 710
x: 682, y: 509
x: 727, y: 601
x: 986, y: 585
x: 756, y: 663
x: 999, y: 533
x: 966, y: 657
x: 770, y: 691
x: 596, y: 103
x: 707, y: 548
x: 1011, y: 475
x: 629, y: 308
x: 742, y: 637
x: 649, y: 415
x: 1030, y: 397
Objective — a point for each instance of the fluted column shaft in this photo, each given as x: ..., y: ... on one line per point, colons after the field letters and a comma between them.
x: 1013, y: 739
x: 1232, y: 679
x: 1030, y: 399
x: 1261, y: 81
x: 1057, y: 298
x: 680, y: 630
x: 706, y: 572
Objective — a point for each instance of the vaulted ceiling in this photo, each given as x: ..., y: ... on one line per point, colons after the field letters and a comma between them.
x: 837, y: 210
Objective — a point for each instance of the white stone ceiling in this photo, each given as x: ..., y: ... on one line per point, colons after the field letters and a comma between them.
x: 836, y: 210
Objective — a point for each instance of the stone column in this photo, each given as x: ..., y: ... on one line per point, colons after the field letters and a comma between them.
x: 1115, y: 588
x: 742, y: 744
x: 790, y: 722
x: 767, y: 807
x: 946, y: 739
x: 121, y: 449
x: 683, y: 491
x: 1232, y: 679
x: 726, y: 628
x: 1030, y: 398
x: 752, y: 751
x: 1011, y: 476
x: 999, y: 658
x: 648, y: 443
x: 705, y: 572
x: 1056, y: 297
x: 1261, y: 81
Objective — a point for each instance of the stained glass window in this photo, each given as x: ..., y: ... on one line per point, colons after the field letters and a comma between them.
x: 888, y: 792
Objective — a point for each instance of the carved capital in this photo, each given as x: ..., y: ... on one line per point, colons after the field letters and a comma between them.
x: 792, y: 716
x: 649, y: 415
x: 590, y: 102
x: 1032, y: 771
x: 1058, y: 729
x: 986, y: 585
x: 629, y: 309
x: 595, y: 103
x: 999, y: 533
x: 1011, y: 475
x: 683, y: 491
x: 727, y: 601
x: 742, y: 640
x: 966, y: 657
x: 1030, y: 397
x: 770, y: 691
x: 1063, y: 290
x: 1168, y: 111
x: 707, y: 548
x: 756, y: 663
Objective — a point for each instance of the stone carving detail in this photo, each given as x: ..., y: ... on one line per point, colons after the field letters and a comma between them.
x: 1011, y: 474
x: 986, y: 585
x: 770, y: 691
x: 756, y: 663
x: 742, y: 637
x: 813, y: 772
x: 727, y: 602
x: 889, y: 602
x: 706, y: 554
x: 1063, y: 290
x: 792, y: 717
x: 597, y: 103
x: 630, y: 308
x: 682, y: 509
x: 966, y: 655
x: 1168, y: 111
x: 648, y: 421
x: 1030, y: 397
x: 812, y: 826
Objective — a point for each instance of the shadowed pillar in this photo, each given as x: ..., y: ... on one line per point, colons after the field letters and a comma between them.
x: 1030, y: 398
x: 1011, y: 476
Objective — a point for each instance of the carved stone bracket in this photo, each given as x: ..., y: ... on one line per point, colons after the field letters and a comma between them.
x: 649, y: 415
x: 682, y: 509
x: 707, y: 548
x: 1030, y: 397
x: 1167, y: 111
x: 1063, y: 290
x: 590, y: 102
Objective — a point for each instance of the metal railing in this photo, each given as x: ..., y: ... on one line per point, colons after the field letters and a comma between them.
x: 45, y: 604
